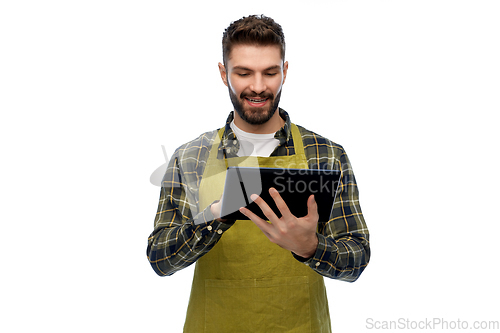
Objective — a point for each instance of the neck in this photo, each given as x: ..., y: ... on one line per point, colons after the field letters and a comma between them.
x: 271, y: 126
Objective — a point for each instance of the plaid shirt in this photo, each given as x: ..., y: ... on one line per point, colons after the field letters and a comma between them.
x: 183, y: 233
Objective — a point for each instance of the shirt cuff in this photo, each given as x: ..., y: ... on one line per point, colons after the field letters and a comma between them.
x: 320, y: 258
x: 208, y: 224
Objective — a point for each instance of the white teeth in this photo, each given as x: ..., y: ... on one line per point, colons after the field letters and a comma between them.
x: 256, y: 100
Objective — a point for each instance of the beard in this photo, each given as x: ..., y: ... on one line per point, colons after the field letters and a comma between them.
x: 255, y: 115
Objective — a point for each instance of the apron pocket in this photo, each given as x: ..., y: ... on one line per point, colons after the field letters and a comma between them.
x: 268, y: 305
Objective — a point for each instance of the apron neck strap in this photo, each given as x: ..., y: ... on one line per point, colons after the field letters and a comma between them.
x: 298, y: 145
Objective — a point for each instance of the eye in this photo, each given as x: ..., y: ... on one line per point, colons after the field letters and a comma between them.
x: 271, y: 74
x: 242, y: 74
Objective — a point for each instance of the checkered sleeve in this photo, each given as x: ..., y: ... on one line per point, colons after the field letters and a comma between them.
x: 182, y: 235
x: 343, y: 249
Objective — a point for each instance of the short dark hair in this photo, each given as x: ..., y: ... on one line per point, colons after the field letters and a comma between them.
x: 252, y: 30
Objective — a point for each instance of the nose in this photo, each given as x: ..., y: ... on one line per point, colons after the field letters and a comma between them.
x: 258, y: 84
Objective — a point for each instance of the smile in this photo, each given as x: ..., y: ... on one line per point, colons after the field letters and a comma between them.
x: 256, y: 102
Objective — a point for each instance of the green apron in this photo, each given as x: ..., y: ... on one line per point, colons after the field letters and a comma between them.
x: 246, y: 283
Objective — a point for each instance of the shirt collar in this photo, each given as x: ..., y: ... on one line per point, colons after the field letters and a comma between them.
x: 230, y: 141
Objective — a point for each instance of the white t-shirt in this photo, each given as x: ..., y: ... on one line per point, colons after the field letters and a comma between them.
x: 254, y: 144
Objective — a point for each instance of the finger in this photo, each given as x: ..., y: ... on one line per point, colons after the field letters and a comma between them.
x: 280, y: 203
x: 312, y: 208
x: 263, y: 225
x: 264, y: 207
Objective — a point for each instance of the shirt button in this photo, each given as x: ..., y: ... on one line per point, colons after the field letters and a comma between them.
x: 228, y: 150
x: 317, y: 264
x: 219, y: 231
x: 235, y: 142
x: 209, y: 228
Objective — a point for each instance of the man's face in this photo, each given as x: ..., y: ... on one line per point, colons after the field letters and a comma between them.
x: 254, y: 76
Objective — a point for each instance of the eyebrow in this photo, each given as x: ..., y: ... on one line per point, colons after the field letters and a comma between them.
x: 251, y: 70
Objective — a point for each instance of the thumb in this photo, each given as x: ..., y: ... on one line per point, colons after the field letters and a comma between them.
x: 312, y: 208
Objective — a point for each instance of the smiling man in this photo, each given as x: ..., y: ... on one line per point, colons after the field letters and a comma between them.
x: 256, y: 275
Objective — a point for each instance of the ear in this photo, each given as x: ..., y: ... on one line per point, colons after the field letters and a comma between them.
x: 223, y: 73
x: 285, y: 70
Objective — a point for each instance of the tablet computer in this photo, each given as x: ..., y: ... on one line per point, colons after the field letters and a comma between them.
x: 294, y: 185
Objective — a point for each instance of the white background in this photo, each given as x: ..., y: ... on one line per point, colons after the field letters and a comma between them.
x: 90, y: 90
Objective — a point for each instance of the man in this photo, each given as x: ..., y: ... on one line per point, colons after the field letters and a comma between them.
x: 255, y: 275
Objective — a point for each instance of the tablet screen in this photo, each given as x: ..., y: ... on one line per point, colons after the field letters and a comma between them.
x: 294, y: 185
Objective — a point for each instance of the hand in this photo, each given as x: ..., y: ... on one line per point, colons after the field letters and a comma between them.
x: 291, y: 233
